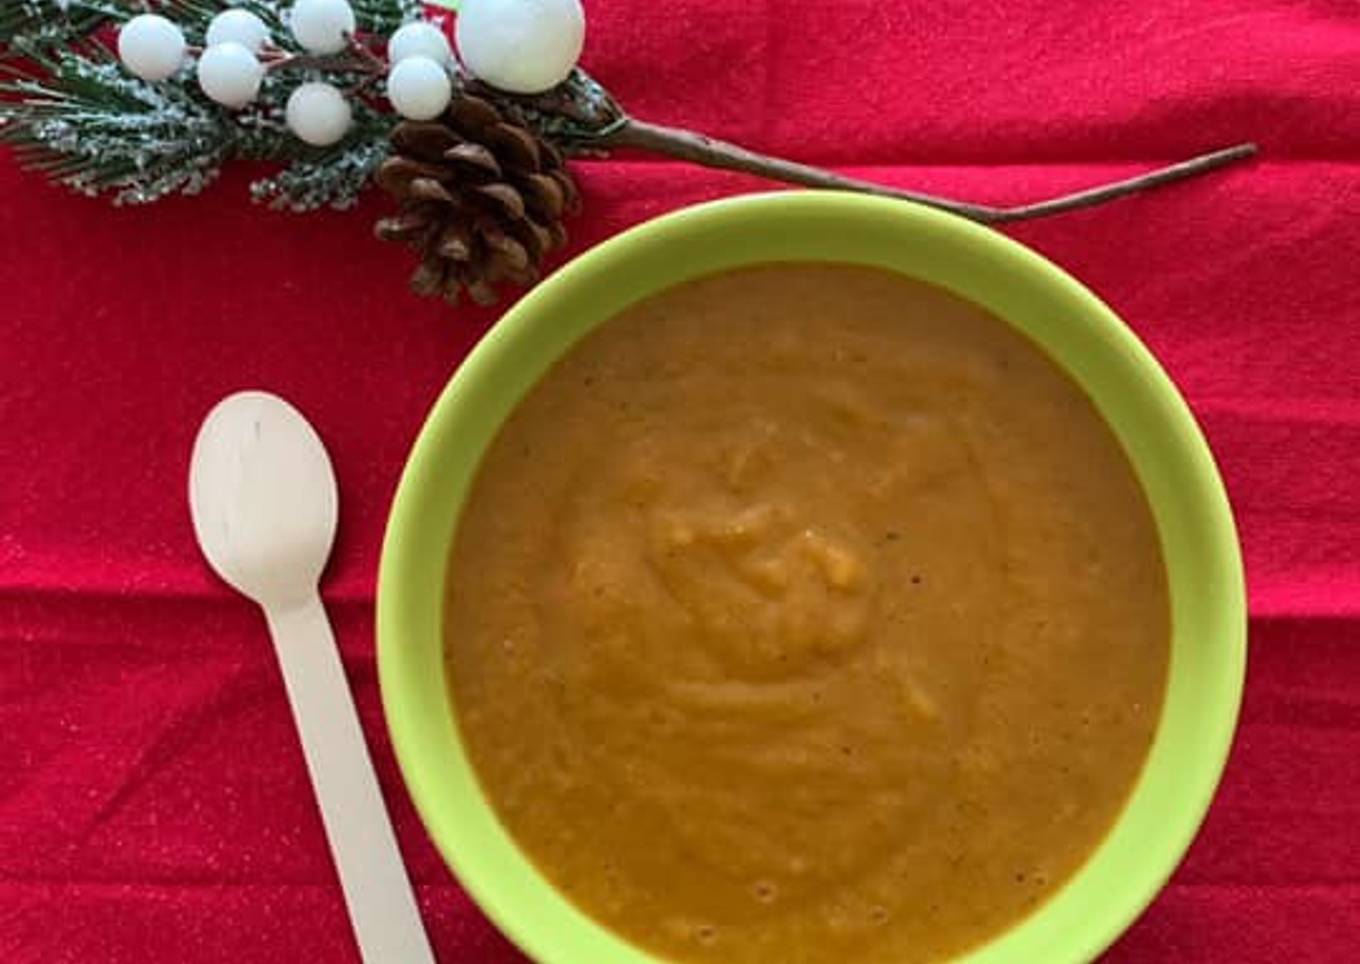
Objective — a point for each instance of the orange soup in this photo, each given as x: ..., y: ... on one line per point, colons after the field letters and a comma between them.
x: 806, y: 614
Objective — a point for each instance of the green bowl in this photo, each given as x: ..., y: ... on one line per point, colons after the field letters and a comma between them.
x: 1131, y: 391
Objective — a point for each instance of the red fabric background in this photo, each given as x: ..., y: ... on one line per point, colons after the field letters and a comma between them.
x: 153, y: 803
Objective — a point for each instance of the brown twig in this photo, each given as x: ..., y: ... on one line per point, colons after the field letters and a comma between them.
x: 356, y: 58
x: 698, y: 148
x: 338, y: 63
x: 1201, y: 164
x: 375, y: 64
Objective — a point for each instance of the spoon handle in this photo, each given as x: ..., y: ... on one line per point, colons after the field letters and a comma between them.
x: 381, y: 904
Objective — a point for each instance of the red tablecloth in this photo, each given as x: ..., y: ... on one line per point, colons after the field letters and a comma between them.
x: 153, y: 801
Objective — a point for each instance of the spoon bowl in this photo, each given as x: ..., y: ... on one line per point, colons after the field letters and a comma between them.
x: 263, y: 498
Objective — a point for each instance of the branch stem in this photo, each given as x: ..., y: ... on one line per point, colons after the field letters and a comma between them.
x: 355, y: 58
x: 375, y: 64
x: 698, y: 148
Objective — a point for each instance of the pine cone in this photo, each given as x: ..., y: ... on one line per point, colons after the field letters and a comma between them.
x: 482, y: 199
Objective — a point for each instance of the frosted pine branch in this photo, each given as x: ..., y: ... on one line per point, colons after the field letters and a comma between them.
x: 70, y: 111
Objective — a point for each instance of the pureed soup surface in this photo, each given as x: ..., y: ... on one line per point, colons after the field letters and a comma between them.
x: 807, y: 613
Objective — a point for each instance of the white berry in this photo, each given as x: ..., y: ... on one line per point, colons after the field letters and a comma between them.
x: 322, y: 26
x: 318, y: 114
x: 523, y: 46
x: 151, y: 46
x: 230, y: 74
x: 419, y: 39
x: 419, y: 88
x: 237, y: 26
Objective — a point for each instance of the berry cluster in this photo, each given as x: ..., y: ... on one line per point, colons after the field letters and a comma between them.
x: 522, y: 46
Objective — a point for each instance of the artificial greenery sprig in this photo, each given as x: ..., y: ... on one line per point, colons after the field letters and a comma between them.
x: 72, y: 112
x: 314, y: 86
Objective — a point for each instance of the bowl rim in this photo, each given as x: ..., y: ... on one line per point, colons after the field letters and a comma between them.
x: 1156, y: 428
